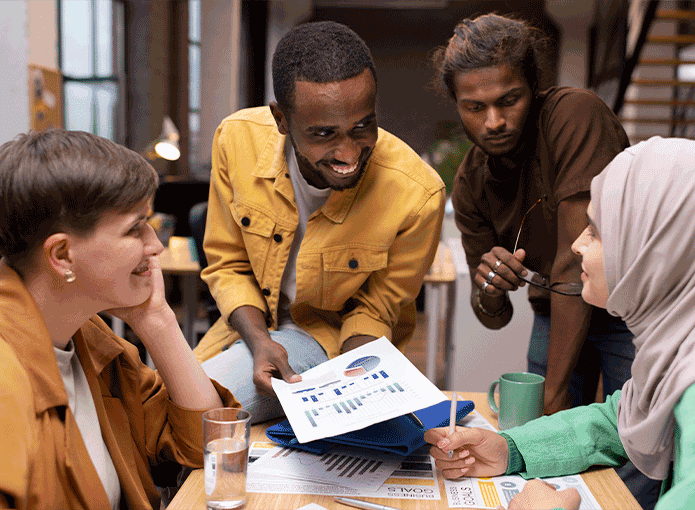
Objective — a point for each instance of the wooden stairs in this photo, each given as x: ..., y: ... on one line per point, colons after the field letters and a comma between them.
x: 660, y: 99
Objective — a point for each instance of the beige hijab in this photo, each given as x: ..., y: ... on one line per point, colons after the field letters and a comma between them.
x: 644, y: 207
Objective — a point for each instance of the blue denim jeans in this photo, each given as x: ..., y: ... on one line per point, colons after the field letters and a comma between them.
x: 608, y: 350
x: 233, y: 369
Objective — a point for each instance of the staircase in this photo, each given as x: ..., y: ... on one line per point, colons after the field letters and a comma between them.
x: 660, y: 95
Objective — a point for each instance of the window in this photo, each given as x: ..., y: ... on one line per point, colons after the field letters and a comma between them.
x: 194, y: 80
x: 91, y: 59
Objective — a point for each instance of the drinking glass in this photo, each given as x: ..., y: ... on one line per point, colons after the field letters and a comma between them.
x: 226, y: 433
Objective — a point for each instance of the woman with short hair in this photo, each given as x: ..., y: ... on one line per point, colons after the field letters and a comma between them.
x: 84, y: 422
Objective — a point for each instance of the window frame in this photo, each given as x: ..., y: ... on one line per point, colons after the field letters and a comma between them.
x: 117, y: 76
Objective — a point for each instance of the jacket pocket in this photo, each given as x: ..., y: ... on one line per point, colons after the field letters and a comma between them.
x: 344, y: 272
x: 251, y: 220
x: 256, y: 229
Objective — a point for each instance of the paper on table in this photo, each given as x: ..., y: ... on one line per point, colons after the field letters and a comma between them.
x: 415, y: 478
x: 367, y: 385
x: 347, y: 467
x: 312, y: 506
x: 499, y: 490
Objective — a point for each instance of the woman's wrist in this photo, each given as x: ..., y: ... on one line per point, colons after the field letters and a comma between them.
x: 152, y: 325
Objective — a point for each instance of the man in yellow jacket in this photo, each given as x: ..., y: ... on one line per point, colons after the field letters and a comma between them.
x: 320, y: 225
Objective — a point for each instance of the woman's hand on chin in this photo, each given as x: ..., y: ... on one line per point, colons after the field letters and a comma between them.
x: 154, y: 312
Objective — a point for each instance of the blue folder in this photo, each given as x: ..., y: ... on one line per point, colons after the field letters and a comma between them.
x: 401, y: 435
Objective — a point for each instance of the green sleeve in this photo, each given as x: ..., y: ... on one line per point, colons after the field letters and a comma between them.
x: 568, y: 442
x: 515, y: 464
x: 682, y: 492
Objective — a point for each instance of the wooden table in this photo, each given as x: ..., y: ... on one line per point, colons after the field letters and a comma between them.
x: 177, y: 259
x: 604, y: 483
x: 440, y: 292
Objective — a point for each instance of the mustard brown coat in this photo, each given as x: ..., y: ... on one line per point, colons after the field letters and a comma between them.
x: 44, y: 463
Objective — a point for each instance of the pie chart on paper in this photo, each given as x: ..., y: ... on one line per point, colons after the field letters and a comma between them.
x: 361, y: 366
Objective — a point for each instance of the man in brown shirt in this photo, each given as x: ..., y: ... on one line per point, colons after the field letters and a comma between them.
x: 520, y: 198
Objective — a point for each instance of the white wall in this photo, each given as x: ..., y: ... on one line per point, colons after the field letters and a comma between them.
x: 574, y: 19
x: 14, y: 82
x: 219, y: 67
x: 480, y: 355
x: 42, y: 32
x: 283, y: 16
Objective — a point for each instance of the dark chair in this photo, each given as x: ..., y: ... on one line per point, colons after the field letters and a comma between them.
x: 196, y: 221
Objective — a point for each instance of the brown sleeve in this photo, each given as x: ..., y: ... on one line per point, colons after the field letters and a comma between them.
x: 477, y: 233
x: 583, y: 136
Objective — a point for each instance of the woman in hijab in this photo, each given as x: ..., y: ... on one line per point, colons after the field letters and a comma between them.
x: 85, y: 424
x: 637, y: 262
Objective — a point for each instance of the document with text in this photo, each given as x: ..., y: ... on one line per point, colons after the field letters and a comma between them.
x: 499, y: 490
x: 367, y: 385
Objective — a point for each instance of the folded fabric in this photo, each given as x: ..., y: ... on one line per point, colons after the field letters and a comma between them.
x: 402, y: 435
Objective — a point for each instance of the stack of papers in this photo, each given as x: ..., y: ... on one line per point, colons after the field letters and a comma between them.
x: 278, y: 470
x: 344, y: 467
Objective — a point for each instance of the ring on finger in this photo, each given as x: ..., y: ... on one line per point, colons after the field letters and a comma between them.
x: 485, y: 286
x: 497, y: 265
x: 490, y: 276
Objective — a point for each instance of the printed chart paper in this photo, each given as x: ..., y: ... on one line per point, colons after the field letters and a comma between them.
x: 367, y: 385
x: 348, y: 467
x: 499, y: 490
x: 492, y: 492
x: 414, y: 478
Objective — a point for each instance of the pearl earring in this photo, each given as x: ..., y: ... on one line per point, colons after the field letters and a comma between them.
x: 70, y: 276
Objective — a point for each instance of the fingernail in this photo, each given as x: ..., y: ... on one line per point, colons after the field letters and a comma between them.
x: 443, y: 444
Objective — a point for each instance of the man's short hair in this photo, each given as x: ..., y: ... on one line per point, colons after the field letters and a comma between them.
x: 488, y: 41
x: 56, y: 180
x: 320, y: 52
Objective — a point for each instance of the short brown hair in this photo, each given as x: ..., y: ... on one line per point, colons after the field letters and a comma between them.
x: 59, y: 180
x: 489, y: 41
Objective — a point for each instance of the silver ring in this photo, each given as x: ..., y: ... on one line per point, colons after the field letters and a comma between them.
x: 490, y: 276
x: 485, y: 285
x: 497, y: 265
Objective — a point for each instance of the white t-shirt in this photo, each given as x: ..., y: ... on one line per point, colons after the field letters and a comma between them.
x: 82, y: 406
x: 309, y: 200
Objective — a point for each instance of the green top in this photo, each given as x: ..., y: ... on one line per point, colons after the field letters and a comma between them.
x: 571, y: 441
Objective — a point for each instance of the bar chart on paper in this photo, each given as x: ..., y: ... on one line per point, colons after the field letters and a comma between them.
x: 371, y: 384
x: 363, y: 398
x: 346, y: 467
x: 278, y: 470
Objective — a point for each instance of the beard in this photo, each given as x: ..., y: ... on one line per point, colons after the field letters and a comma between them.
x: 317, y: 178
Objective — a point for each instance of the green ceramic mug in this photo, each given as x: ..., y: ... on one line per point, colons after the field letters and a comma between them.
x: 521, y: 398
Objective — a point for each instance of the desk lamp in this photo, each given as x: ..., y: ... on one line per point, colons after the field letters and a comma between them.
x: 167, y: 145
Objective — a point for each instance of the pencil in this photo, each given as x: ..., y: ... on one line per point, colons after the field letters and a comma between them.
x: 452, y: 417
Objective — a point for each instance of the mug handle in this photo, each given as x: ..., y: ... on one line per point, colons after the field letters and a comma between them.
x: 491, y: 397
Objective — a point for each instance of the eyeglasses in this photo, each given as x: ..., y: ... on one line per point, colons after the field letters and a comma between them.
x: 537, y: 280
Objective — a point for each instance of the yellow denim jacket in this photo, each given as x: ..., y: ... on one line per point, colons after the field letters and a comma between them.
x: 364, y: 255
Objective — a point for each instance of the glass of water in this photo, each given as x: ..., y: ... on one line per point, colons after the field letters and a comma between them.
x: 226, y: 433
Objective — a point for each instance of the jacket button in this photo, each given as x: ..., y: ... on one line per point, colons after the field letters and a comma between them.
x: 353, y: 264
x: 245, y: 221
x: 266, y: 291
x: 277, y: 238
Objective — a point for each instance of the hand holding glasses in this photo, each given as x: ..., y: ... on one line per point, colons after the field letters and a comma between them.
x: 532, y: 277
